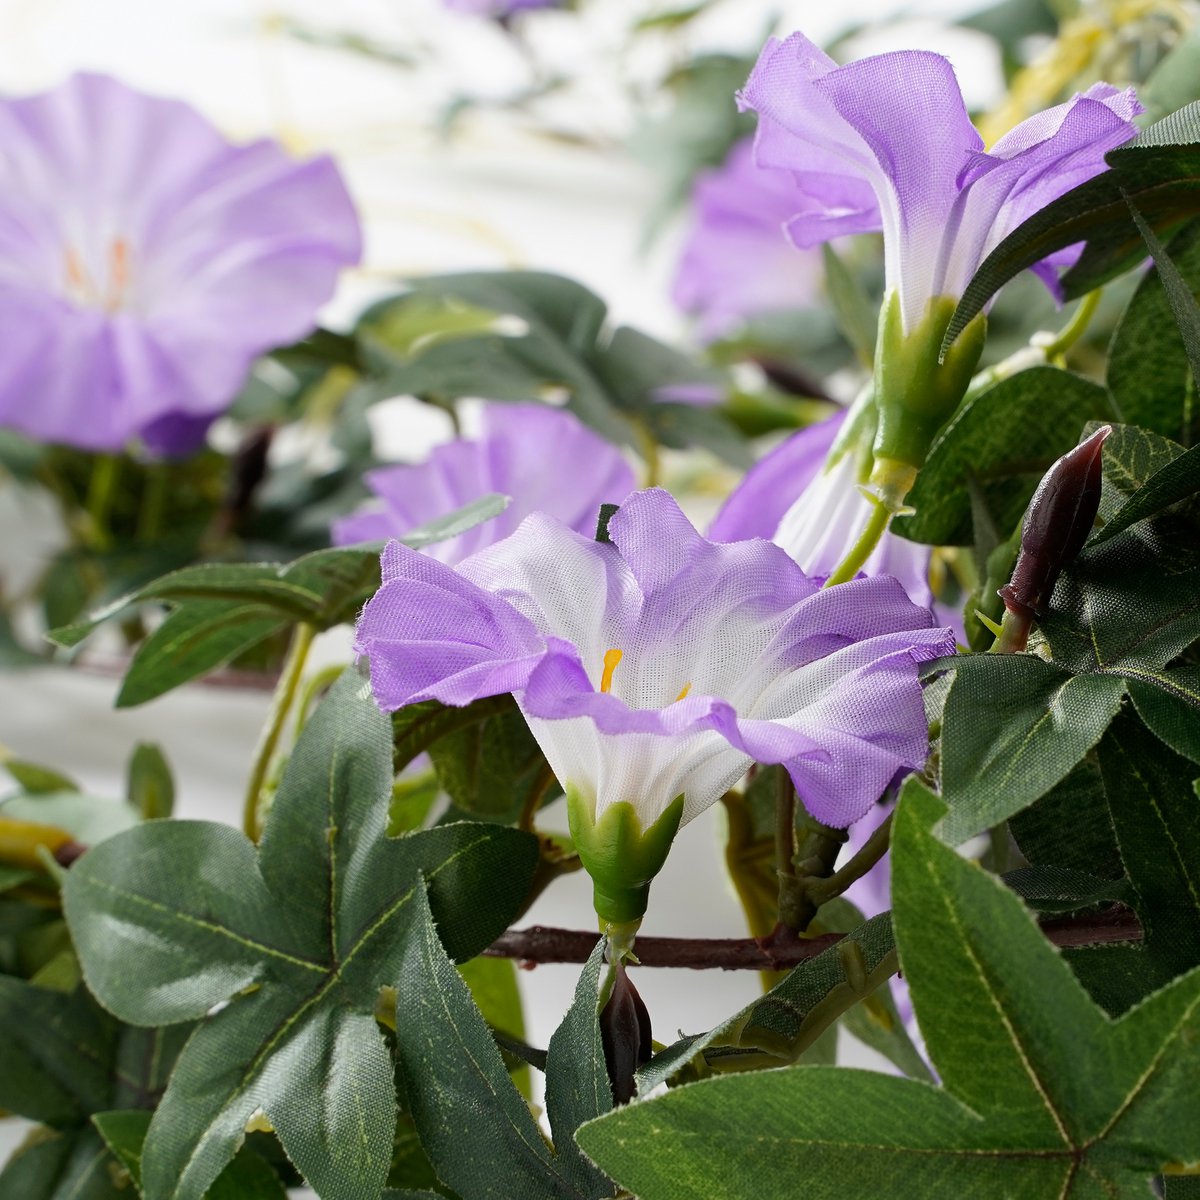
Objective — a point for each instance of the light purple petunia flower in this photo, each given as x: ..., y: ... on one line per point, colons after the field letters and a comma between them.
x: 145, y: 262
x: 663, y: 664
x: 885, y: 143
x: 737, y: 260
x: 815, y: 511
x: 544, y: 458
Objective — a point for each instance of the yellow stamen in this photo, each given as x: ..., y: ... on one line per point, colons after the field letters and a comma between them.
x: 687, y: 687
x: 611, y: 658
x: 75, y: 273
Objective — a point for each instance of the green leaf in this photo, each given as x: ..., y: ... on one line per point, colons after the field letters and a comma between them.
x: 298, y: 937
x: 448, y: 1066
x: 1148, y: 371
x: 577, y: 1087
x: 493, y: 984
x: 875, y: 1020
x: 87, y: 819
x: 1057, y: 889
x: 1177, y: 480
x: 67, y: 1166
x: 1157, y: 821
x: 62, y: 1059
x: 492, y: 768
x: 782, y: 1025
x: 1169, y: 704
x: 150, y: 787
x: 37, y: 780
x: 857, y: 315
x: 1158, y: 172
x: 1013, y: 727
x: 222, y: 610
x: 1077, y: 803
x: 1042, y: 1095
x: 248, y: 1177
x: 1003, y: 439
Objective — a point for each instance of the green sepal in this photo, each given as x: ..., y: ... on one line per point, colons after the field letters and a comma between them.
x: 619, y: 855
x: 916, y: 394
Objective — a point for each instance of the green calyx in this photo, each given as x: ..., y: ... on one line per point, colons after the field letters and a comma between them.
x: 620, y: 856
x: 915, y: 394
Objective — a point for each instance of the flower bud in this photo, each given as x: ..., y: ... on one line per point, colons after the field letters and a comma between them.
x: 1059, y: 519
x: 624, y: 1034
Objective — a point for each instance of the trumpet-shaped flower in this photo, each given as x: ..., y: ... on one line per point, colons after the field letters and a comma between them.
x: 654, y: 669
x: 544, y: 458
x: 814, y: 508
x: 737, y: 261
x: 885, y: 143
x: 145, y: 262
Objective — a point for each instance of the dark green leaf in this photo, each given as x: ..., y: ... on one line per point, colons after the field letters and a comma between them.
x: 1157, y: 820
x: 450, y: 1070
x: 1148, y: 371
x: 1013, y: 727
x: 783, y: 1024
x: 577, y: 1087
x: 492, y: 767
x: 1079, y: 804
x: 1158, y: 172
x: 1004, y: 439
x: 298, y: 937
x: 1042, y: 1095
x: 1168, y: 701
x: 67, y: 1166
x: 1056, y: 889
x: 248, y: 1177
x: 493, y: 984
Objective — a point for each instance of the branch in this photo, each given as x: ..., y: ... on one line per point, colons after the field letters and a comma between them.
x: 782, y: 949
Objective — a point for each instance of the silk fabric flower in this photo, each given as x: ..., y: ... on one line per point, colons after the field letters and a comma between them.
x: 544, y: 458
x: 661, y: 665
x: 737, y: 260
x: 145, y: 262
x: 814, y: 509
x: 885, y: 143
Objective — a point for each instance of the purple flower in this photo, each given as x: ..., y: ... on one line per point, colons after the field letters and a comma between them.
x: 886, y: 143
x: 810, y: 503
x: 542, y: 457
x: 737, y: 261
x: 661, y: 665
x: 146, y: 262
x: 498, y: 8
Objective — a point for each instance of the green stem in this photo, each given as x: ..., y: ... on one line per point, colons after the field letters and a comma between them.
x: 102, y: 487
x: 862, y: 549
x: 154, y: 503
x: 1076, y: 327
x: 871, y: 851
x: 1014, y: 633
x: 281, y: 704
x: 648, y: 449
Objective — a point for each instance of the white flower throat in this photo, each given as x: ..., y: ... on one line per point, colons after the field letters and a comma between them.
x: 612, y: 659
x: 106, y: 287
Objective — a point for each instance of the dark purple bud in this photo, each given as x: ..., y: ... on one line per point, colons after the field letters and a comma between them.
x: 625, y: 1035
x: 1059, y: 520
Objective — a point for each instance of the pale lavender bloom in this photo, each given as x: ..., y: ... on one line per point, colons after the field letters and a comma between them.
x: 662, y: 664
x: 498, y: 8
x: 737, y: 260
x: 814, y: 509
x: 145, y: 262
x: 885, y: 143
x: 543, y: 458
